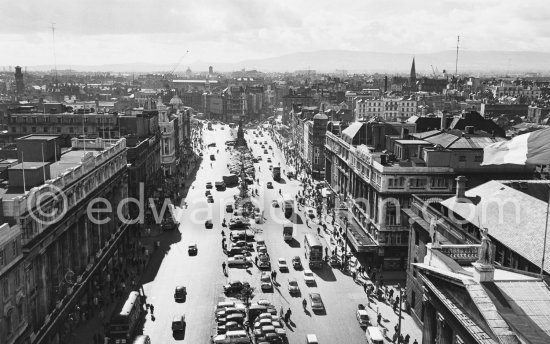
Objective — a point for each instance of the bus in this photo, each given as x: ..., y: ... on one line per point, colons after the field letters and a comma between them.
x: 313, y: 251
x: 124, y: 324
x: 288, y: 206
x: 276, y: 172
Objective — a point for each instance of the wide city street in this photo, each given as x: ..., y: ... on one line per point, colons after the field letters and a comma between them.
x: 203, y: 276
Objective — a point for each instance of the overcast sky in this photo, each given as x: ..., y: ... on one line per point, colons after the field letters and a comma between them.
x: 95, y: 32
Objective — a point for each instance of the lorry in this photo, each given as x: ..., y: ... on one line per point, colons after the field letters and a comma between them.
x: 276, y: 172
x: 288, y: 228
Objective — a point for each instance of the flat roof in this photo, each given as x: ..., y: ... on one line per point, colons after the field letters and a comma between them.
x: 29, y: 165
x: 38, y: 137
x: 413, y: 142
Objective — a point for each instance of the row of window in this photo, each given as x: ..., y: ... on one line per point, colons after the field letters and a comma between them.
x: 60, y: 120
x: 417, y: 183
x: 72, y: 130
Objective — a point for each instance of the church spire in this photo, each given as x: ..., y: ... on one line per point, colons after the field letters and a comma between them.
x: 413, y: 73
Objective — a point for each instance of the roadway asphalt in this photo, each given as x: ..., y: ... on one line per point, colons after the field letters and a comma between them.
x: 202, y: 274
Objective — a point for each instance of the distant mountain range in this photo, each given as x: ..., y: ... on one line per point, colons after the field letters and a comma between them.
x: 354, y: 61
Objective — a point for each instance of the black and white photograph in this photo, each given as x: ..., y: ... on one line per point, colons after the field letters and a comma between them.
x: 274, y: 172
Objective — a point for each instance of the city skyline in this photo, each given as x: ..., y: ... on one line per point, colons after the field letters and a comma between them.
x: 230, y: 32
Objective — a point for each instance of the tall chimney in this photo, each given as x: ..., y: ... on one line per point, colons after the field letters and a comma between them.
x: 461, y: 188
x: 443, y: 125
x: 385, y: 84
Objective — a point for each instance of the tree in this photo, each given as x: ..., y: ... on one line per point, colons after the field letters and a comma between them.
x: 246, y: 294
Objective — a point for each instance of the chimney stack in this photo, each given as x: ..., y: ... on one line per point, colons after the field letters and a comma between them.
x: 385, y: 84
x: 443, y: 125
x: 461, y: 188
x: 404, y: 133
x: 469, y: 129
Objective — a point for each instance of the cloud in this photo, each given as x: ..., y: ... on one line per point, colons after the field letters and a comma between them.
x: 114, y: 31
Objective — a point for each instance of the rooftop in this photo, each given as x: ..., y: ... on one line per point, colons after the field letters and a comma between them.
x: 512, y: 217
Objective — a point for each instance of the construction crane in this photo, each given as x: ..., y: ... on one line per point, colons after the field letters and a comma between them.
x: 177, y: 64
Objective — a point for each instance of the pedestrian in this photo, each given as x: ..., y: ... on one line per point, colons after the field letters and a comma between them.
x: 407, y: 338
x: 415, y: 342
x: 365, y: 287
x: 354, y: 275
x: 274, y: 275
x: 289, y: 312
x: 152, y: 309
x: 379, y: 319
x: 391, y: 294
x: 256, y: 261
x: 223, y: 267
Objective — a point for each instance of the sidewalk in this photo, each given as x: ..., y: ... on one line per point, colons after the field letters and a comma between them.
x: 84, y: 332
x: 374, y: 306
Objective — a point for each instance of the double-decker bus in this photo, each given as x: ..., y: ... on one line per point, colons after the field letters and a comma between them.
x: 313, y: 251
x: 123, y: 325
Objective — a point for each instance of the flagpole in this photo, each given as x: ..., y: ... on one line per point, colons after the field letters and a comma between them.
x: 545, y: 234
x: 23, y: 169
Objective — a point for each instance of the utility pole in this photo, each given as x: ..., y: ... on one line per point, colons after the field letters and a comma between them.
x: 54, y: 55
x: 456, y: 62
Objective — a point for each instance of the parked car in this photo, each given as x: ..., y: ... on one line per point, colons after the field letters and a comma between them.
x: 269, y: 185
x: 209, y: 185
x: 229, y: 208
x: 316, y: 302
x: 263, y: 262
x: 210, y: 199
x: 180, y: 293
x: 192, y: 250
x: 208, y: 224
x: 311, y: 213
x: 362, y: 317
x: 207, y: 193
x: 234, y: 286
x: 268, y: 159
x: 266, y: 281
x: 309, y: 278
x: 238, y: 260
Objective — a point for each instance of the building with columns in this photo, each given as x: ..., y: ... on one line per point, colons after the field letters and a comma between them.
x: 476, y: 302
x: 65, y: 257
x: 513, y: 212
x: 375, y: 167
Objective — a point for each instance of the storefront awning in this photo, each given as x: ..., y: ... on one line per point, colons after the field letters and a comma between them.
x: 358, y: 238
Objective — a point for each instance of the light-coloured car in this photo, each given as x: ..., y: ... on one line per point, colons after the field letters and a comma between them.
x: 238, y: 260
x: 293, y: 286
x: 283, y: 266
x: 275, y: 204
x: 309, y: 278
x: 266, y: 281
x: 316, y: 302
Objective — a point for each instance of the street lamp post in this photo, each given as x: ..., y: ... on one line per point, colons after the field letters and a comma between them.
x: 399, y: 305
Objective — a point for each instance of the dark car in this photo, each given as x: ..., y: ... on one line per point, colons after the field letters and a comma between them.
x: 208, y: 224
x: 192, y: 250
x: 269, y: 185
x: 209, y: 185
x: 296, y: 262
x: 180, y: 293
x: 234, y: 286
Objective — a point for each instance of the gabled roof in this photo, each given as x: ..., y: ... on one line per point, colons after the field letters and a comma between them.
x: 349, y: 133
